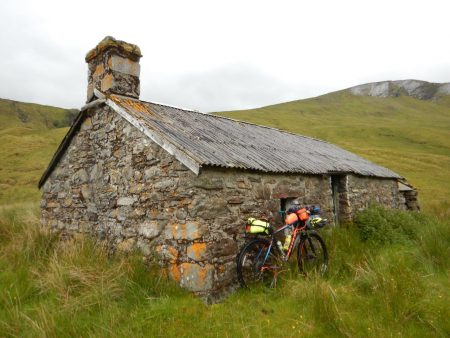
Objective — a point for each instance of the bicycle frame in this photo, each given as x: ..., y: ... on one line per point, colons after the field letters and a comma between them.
x: 262, y: 259
x: 297, y: 229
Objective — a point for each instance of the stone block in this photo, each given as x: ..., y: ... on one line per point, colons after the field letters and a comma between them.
x: 196, y: 278
x: 197, y: 252
x: 224, y: 247
x: 288, y: 189
x: 235, y: 200
x: 226, y: 273
x: 167, y: 253
x: 137, y: 212
x: 52, y: 204
x: 150, y: 229
x: 85, y: 192
x: 120, y: 83
x: 80, y: 177
x: 181, y: 214
x: 124, y: 65
x: 164, y: 184
x: 125, y: 201
x: 190, y: 230
x: 208, y: 183
x: 97, y: 171
x: 208, y: 208
x: 174, y: 272
x: 106, y: 83
x: 136, y: 188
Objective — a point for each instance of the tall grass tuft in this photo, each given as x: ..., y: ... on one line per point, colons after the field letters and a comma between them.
x: 434, y: 244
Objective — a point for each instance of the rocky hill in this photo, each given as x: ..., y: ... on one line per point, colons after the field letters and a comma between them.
x: 422, y: 90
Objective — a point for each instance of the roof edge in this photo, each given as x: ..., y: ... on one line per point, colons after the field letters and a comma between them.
x: 168, y: 146
x: 66, y: 140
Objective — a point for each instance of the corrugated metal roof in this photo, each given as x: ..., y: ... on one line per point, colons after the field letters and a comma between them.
x: 217, y: 141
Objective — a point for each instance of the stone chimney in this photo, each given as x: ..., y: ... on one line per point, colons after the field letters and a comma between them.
x: 114, y: 68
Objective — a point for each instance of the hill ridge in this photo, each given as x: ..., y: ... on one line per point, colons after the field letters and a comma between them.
x: 419, y: 89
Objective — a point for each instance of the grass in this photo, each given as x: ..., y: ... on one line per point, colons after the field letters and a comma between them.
x: 389, y: 274
x: 377, y: 288
x: 407, y: 135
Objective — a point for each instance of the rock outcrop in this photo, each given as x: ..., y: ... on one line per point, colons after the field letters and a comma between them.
x: 415, y: 88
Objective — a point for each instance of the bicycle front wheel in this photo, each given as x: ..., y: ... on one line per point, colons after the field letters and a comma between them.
x: 255, y: 265
x: 312, y: 255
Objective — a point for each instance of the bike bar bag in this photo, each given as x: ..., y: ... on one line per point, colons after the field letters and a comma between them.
x: 255, y: 226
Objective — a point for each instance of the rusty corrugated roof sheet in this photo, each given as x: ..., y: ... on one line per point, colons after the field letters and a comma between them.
x: 211, y: 140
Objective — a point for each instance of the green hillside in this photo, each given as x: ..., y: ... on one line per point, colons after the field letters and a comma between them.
x: 408, y: 135
x: 29, y: 134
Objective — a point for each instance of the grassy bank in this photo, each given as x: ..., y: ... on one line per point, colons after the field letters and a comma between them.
x: 389, y: 276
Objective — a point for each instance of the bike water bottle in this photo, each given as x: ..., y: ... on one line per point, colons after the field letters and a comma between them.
x: 287, y: 242
x: 280, y: 246
x: 288, y: 237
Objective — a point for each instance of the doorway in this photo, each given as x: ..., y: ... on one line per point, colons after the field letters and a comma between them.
x: 338, y: 193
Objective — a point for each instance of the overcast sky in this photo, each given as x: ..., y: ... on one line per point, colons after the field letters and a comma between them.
x: 222, y: 55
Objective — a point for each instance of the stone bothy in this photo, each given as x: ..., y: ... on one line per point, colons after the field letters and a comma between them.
x: 179, y: 184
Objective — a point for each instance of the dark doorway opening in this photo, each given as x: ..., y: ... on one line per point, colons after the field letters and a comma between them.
x: 338, y: 191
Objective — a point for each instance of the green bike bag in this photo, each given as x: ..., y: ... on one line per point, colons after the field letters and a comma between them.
x: 255, y: 226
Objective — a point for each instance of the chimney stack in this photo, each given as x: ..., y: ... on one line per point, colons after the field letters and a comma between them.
x: 114, y: 68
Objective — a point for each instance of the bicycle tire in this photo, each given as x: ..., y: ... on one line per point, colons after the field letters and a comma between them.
x: 312, y: 256
x: 252, y: 270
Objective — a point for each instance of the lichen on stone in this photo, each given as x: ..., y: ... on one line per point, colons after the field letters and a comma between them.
x: 129, y: 49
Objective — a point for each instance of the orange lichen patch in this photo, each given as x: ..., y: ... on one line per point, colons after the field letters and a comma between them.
x: 173, y: 252
x: 202, y: 275
x: 133, y: 106
x: 99, y: 70
x: 109, y: 42
x: 107, y: 82
x: 195, y: 276
x: 196, y: 251
x: 179, y: 231
x: 174, y: 272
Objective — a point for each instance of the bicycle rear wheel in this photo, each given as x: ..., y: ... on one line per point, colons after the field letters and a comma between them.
x: 312, y: 255
x: 255, y: 266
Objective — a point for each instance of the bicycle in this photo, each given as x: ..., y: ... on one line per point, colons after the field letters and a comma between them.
x: 262, y: 258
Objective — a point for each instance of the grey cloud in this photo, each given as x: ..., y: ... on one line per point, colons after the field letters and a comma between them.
x: 227, y: 88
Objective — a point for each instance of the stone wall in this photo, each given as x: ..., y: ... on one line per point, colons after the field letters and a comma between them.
x: 361, y: 191
x: 117, y: 184
x: 409, y: 200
